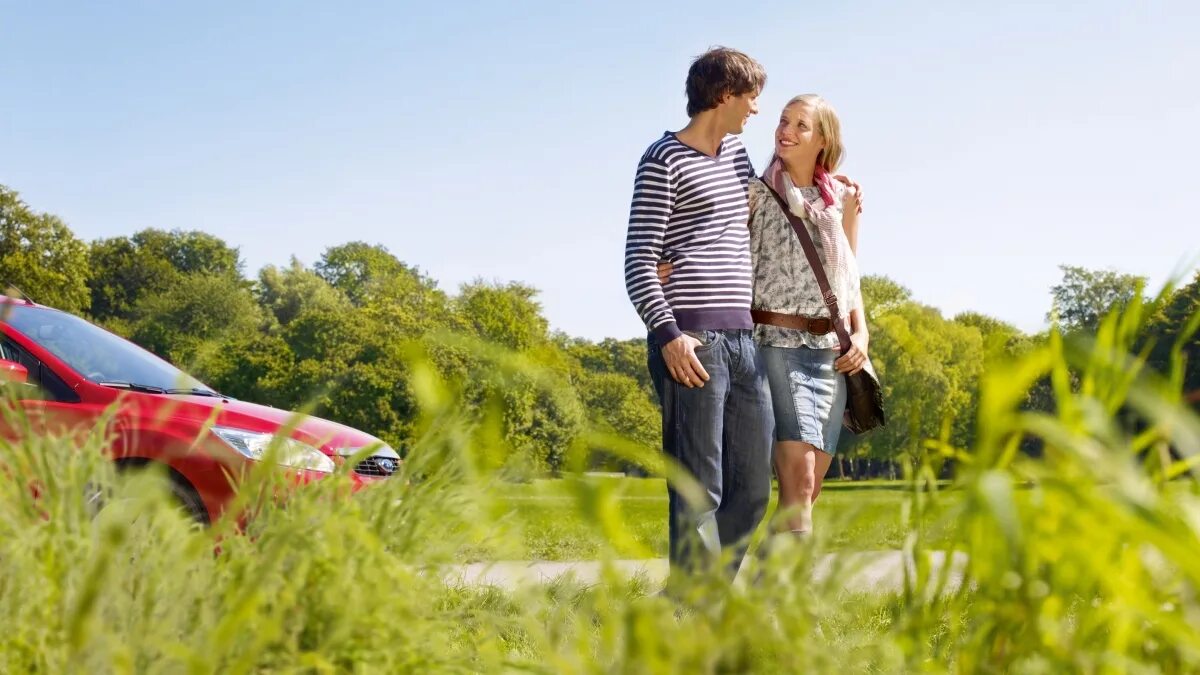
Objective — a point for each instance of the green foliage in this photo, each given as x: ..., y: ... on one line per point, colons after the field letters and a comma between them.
x: 197, y: 313
x: 40, y: 256
x: 151, y: 262
x: 882, y: 295
x: 288, y: 292
x: 505, y: 314
x: 1080, y: 561
x: 930, y: 369
x: 1173, y: 333
x: 1084, y: 296
x: 610, y: 355
x: 334, y: 337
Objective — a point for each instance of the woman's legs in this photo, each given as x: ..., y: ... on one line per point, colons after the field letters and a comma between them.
x: 824, y: 461
x: 808, y: 402
x: 801, y: 468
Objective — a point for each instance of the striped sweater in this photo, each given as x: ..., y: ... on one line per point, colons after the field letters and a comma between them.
x: 690, y: 209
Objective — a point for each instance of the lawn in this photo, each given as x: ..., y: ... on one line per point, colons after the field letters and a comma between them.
x: 627, y: 517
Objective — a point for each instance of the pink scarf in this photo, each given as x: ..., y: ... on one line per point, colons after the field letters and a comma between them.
x: 826, y: 225
x: 773, y: 176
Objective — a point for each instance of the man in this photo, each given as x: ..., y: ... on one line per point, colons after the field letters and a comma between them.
x: 689, y: 208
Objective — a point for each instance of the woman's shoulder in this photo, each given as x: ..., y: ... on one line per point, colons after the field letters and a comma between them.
x: 759, y: 194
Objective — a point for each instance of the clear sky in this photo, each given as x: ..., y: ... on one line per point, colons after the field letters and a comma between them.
x: 994, y: 141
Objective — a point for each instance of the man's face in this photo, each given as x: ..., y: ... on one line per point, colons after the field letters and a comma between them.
x: 736, y: 111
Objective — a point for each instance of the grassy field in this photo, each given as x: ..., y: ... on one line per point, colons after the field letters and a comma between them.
x: 551, y: 517
x: 1081, y: 559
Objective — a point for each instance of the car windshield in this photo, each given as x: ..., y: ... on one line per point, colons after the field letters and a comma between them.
x: 95, y: 353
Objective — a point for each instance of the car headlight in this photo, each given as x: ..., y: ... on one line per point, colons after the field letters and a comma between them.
x: 379, y: 449
x: 285, y: 451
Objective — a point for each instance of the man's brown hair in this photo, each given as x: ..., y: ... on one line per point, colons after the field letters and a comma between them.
x: 721, y: 72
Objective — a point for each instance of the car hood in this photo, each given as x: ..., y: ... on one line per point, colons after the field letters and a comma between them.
x: 331, y: 437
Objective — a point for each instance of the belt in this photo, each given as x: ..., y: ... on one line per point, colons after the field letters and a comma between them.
x: 817, y: 325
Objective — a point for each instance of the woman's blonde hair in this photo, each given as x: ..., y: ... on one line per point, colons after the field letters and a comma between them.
x: 826, y: 120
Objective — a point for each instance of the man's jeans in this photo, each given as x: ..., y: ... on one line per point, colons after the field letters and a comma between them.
x: 722, y: 434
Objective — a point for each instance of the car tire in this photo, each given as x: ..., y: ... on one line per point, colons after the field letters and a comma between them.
x: 188, y: 499
x: 180, y: 489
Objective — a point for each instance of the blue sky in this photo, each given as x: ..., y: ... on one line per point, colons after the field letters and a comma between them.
x: 479, y: 140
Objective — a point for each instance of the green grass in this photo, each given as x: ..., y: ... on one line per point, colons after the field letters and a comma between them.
x: 548, y: 516
x: 1083, y: 559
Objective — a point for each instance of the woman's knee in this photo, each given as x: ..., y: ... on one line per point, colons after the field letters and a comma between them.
x: 808, y: 480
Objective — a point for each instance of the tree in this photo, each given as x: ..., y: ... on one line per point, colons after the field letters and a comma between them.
x: 287, y: 292
x: 121, y: 275
x: 345, y: 367
x: 929, y: 369
x: 254, y: 366
x: 506, y: 314
x: 1084, y: 296
x: 359, y: 269
x: 401, y: 299
x: 1168, y: 326
x: 617, y: 404
x: 40, y: 256
x: 191, y: 252
x: 195, y: 315
x: 999, y: 337
x: 882, y: 295
x: 610, y: 355
x: 127, y: 269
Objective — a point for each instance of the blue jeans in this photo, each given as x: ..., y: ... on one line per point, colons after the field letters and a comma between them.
x: 808, y: 393
x: 722, y: 434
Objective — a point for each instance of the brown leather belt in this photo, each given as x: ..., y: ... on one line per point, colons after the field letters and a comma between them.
x: 817, y: 325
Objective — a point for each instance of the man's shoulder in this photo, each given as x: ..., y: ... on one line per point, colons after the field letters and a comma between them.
x: 741, y: 158
x: 663, y: 149
x: 735, y: 144
x: 733, y: 141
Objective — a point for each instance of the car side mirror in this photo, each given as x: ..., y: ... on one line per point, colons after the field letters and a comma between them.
x: 12, y: 372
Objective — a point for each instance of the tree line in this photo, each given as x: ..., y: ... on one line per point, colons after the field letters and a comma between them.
x: 332, y: 338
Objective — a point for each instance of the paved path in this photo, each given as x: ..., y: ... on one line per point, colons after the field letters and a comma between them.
x: 868, y: 571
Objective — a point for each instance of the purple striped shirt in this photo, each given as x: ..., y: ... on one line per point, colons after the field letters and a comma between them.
x: 691, y: 210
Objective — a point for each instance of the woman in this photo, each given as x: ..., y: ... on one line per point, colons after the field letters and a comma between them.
x: 793, y: 329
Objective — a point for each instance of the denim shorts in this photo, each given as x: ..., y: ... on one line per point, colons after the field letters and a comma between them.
x: 808, y: 395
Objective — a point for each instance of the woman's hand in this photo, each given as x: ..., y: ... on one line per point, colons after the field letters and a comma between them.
x: 853, y: 360
x: 664, y: 271
x: 852, y: 197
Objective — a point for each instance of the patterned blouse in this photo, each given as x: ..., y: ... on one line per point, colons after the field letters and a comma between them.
x: 783, y: 280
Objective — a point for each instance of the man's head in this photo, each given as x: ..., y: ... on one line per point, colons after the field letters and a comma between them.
x: 728, y: 82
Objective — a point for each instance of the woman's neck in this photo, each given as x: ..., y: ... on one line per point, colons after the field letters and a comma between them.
x: 802, y: 176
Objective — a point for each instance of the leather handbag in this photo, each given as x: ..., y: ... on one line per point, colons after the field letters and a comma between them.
x: 864, y: 396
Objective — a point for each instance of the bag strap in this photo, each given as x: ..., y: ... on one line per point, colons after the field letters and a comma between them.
x: 814, y: 261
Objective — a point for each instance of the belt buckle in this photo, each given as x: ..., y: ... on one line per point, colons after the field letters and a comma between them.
x: 819, y: 326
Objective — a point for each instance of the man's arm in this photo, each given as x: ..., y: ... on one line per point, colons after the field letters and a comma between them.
x: 852, y: 199
x: 653, y: 199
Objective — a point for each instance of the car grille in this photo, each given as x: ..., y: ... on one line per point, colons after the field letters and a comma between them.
x: 380, y: 465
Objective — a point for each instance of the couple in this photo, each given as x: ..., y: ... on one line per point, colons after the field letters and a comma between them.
x: 741, y: 346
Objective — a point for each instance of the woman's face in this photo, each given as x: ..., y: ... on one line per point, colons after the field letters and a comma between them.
x: 796, y: 138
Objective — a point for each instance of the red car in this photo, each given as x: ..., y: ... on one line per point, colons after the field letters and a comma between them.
x: 67, y: 372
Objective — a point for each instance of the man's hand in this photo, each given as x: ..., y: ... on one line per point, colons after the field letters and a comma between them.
x: 853, y: 360
x: 682, y: 364
x: 853, y: 197
x: 664, y: 271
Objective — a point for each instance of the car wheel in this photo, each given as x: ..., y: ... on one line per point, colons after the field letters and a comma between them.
x: 97, y: 497
x: 189, y: 500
